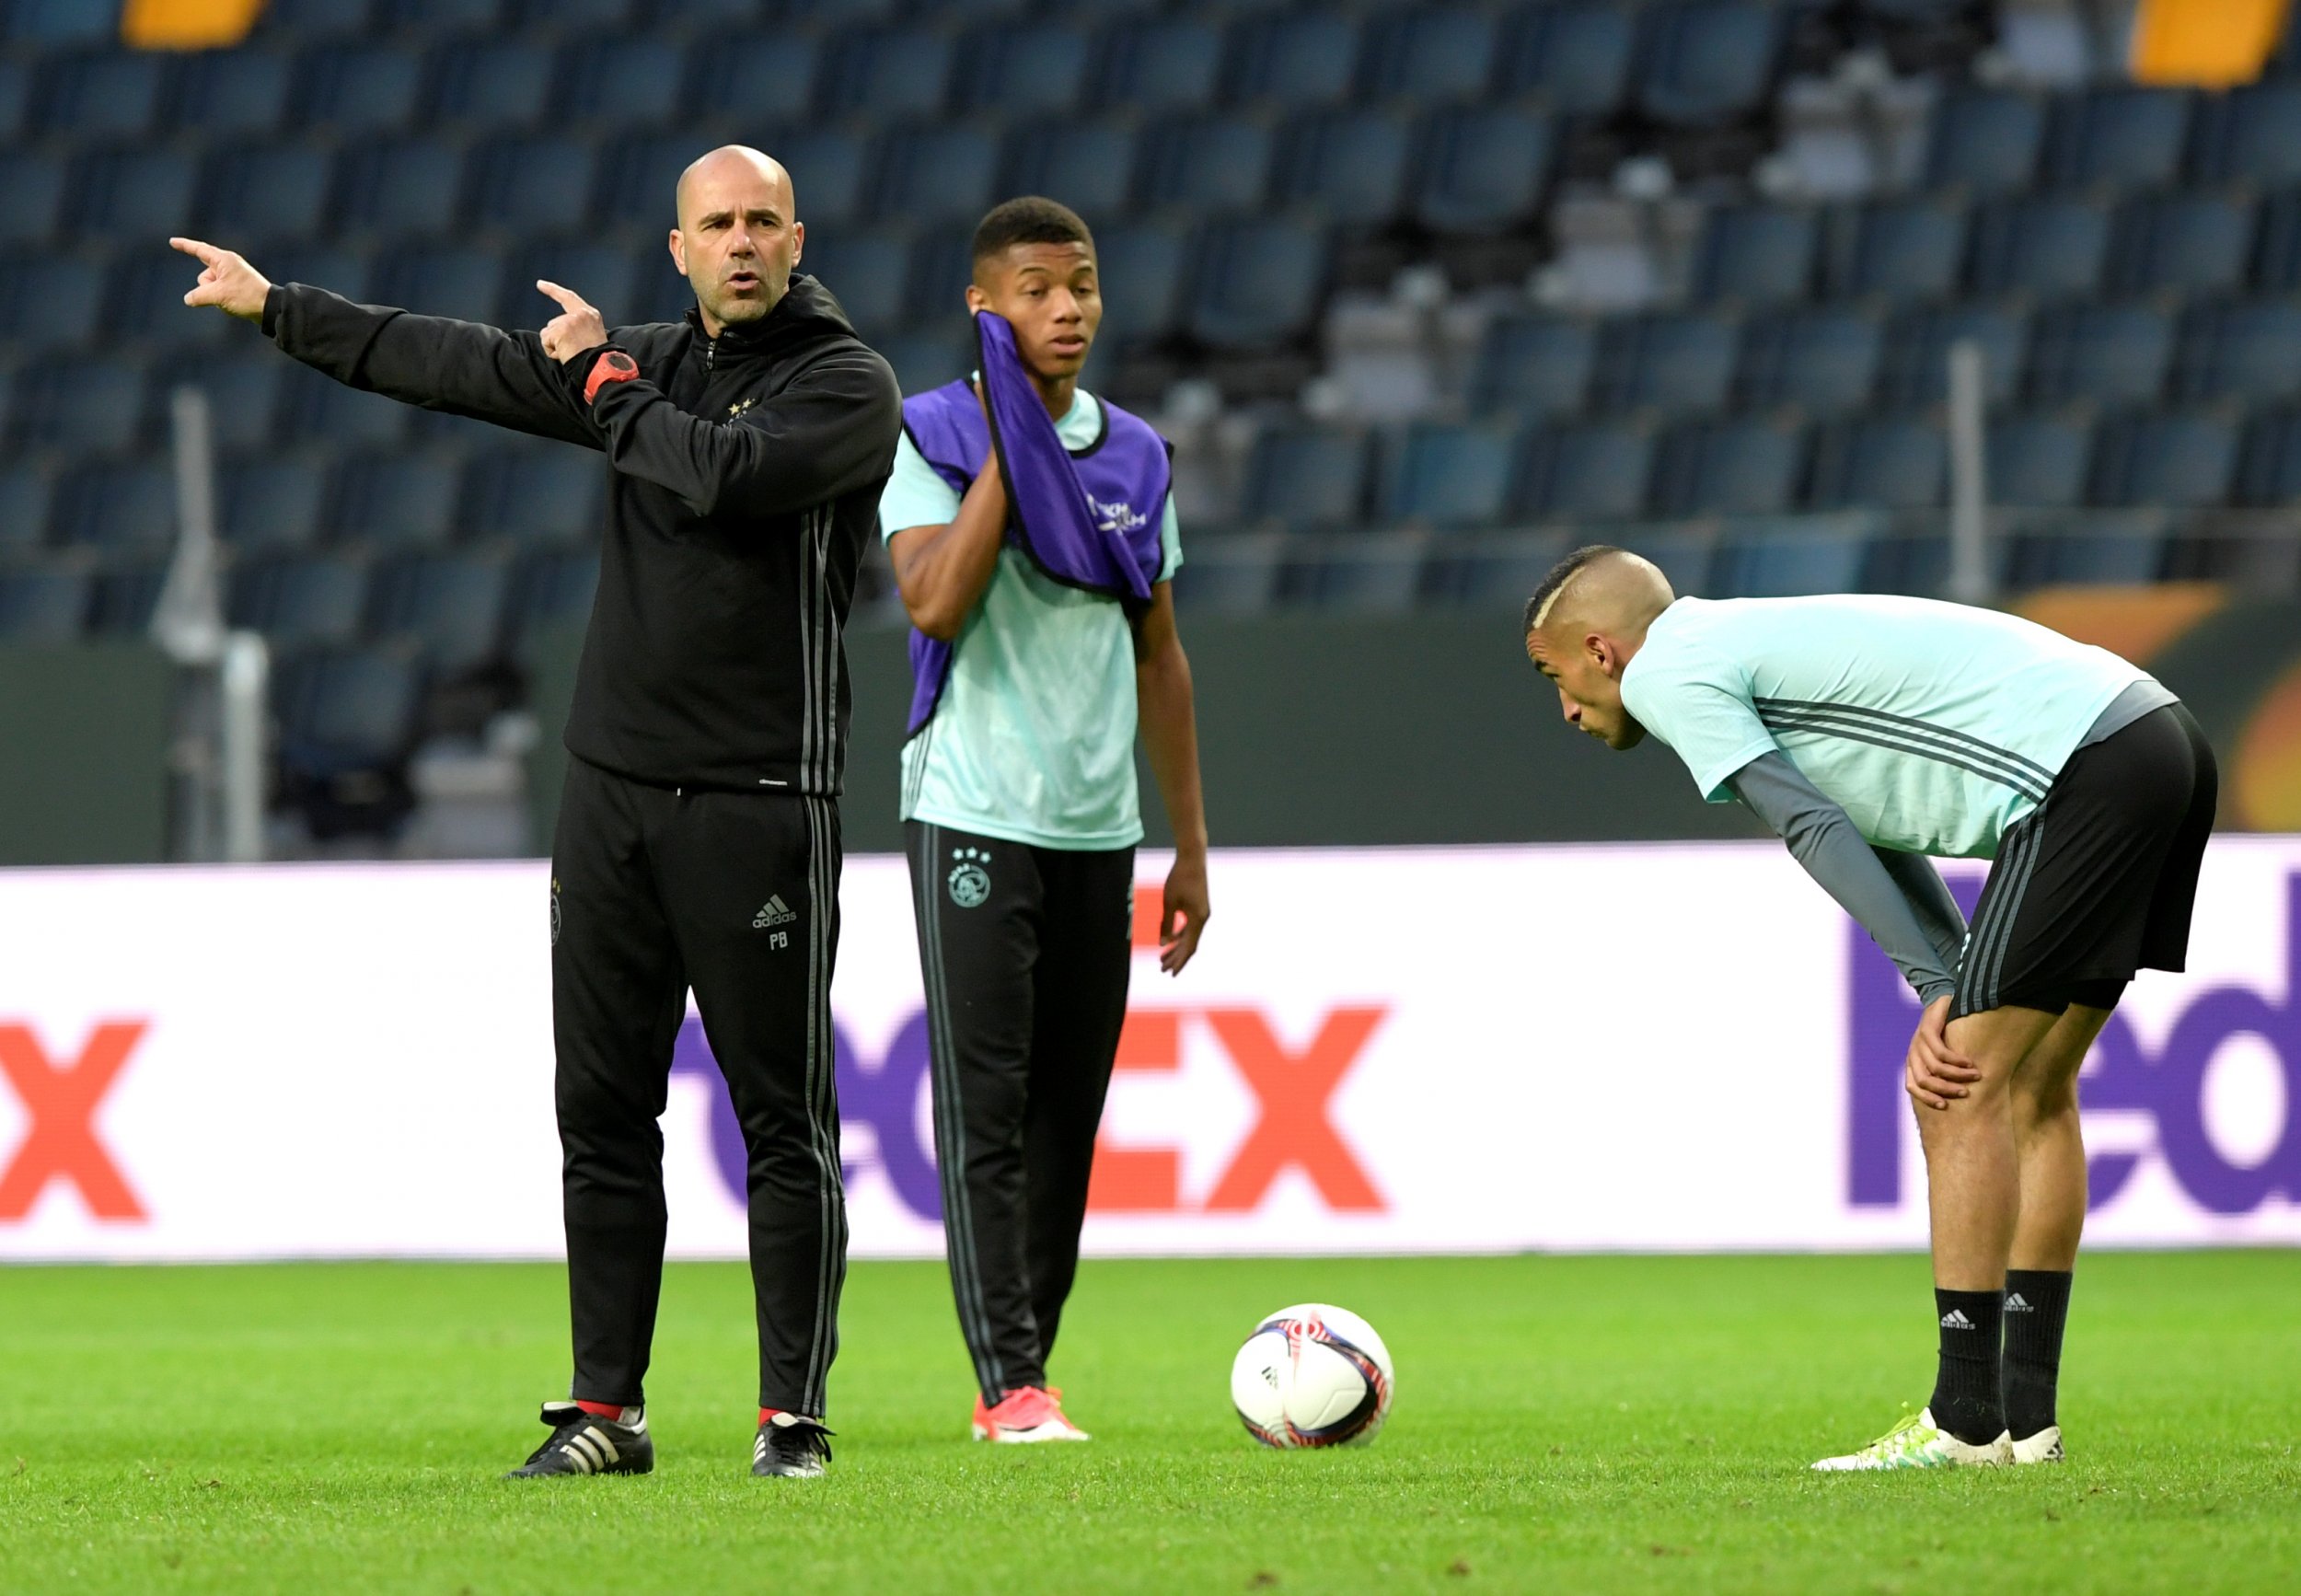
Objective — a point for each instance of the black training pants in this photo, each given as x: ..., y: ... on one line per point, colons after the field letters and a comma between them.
x: 653, y: 891
x: 1025, y: 954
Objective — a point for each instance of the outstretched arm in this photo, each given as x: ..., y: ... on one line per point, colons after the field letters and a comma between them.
x: 1169, y: 738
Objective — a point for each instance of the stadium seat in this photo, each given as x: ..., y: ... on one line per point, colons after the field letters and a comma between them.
x: 2041, y: 559
x: 528, y: 185
x: 1349, y: 165
x: 49, y: 302
x: 606, y: 276
x: 1789, y: 561
x: 617, y: 85
x: 1904, y: 250
x: 2252, y: 135
x: 2179, y: 460
x: 1534, y: 365
x: 270, y: 502
x: 1881, y: 463
x: 86, y: 406
x: 2107, y: 355
x: 1215, y: 164
x: 935, y: 173
x: 1305, y: 477
x: 1236, y: 576
x: 1757, y: 255
x: 553, y: 587
x: 144, y: 299
x: 2038, y: 460
x: 27, y: 490
x: 2124, y: 137
x: 32, y: 197
x: 941, y: 265
x: 15, y: 100
x: 1255, y: 283
x: 1450, y: 476
x: 124, y: 597
x: 338, y: 269
x: 317, y: 19
x: 1365, y: 574
x: 447, y: 17
x: 53, y: 24
x: 300, y: 600
x: 491, y: 83
x: 1482, y: 170
x: 142, y: 193
x: 362, y: 89
x: 1685, y: 554
x: 44, y: 604
x: 882, y: 75
x: 928, y: 360
x: 546, y: 496
x: 393, y: 498
x: 777, y: 73
x: 1986, y: 143
x: 1917, y: 352
x: 829, y: 168
x: 1707, y: 61
x: 1571, y: 58
x: 1497, y: 572
x: 1032, y: 70
x: 112, y: 94
x: 1088, y: 165
x: 1593, y: 471
x: 2269, y: 462
x: 1673, y: 361
x: 2052, y: 245
x: 1436, y: 55
x: 1297, y: 59
x: 244, y: 387
x: 450, y: 606
x: 448, y: 280
x: 2183, y: 243
x: 257, y: 194
x: 116, y: 504
x: 1743, y: 466
x: 1825, y: 360
x: 2244, y: 351
x: 867, y: 272
x: 396, y: 187
x: 348, y: 719
x: 1161, y: 64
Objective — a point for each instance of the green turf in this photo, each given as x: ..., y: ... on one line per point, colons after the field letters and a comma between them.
x: 1570, y: 1423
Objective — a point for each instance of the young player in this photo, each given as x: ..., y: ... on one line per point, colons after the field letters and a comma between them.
x: 1871, y: 734
x: 1034, y: 539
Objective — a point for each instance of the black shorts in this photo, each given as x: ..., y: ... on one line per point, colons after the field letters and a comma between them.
x: 2098, y: 881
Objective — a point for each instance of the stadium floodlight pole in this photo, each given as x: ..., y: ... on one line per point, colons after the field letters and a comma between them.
x: 188, y: 621
x: 1968, y: 475
x: 246, y: 679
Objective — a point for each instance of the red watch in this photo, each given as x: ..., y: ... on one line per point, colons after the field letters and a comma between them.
x: 613, y: 366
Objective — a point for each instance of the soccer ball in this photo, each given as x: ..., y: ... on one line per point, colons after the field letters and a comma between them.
x: 1313, y: 1375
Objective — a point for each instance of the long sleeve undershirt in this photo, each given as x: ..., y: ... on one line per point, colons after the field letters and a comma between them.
x: 1899, y: 898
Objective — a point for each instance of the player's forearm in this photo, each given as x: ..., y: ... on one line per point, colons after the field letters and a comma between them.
x: 1928, y: 898
x: 942, y: 572
x: 1169, y: 717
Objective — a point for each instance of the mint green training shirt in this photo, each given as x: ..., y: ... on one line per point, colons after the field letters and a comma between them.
x: 1035, y: 738
x: 1935, y: 726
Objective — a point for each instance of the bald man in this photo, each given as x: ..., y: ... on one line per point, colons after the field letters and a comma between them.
x: 699, y: 831
x: 1873, y: 734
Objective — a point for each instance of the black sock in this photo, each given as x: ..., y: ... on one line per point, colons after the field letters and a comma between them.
x: 1967, y: 1402
x: 2037, y: 1306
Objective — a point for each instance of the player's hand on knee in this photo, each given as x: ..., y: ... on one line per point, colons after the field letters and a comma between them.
x: 577, y: 328
x: 226, y: 281
x: 1935, y: 1072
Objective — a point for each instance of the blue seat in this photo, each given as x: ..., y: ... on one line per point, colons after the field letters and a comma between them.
x: 1707, y: 61
x: 528, y: 185
x: 270, y: 502
x: 244, y: 387
x: 31, y: 196
x: 299, y: 600
x: 1757, y: 255
x: 638, y: 176
x: 2177, y: 460
x: 772, y: 74
x: 867, y: 272
x: 1088, y: 165
x: 1671, y: 361
x: 2126, y: 138
x: 1349, y: 165
x: 317, y: 19
x: 28, y: 490
x: 49, y: 302
x: 2054, y: 246
x: 1451, y: 476
x: 128, y: 192
x: 941, y: 264
x: 1305, y: 477
x: 1904, y: 250
x: 1789, y: 562
x: 2269, y: 460
x: 1572, y: 57
x: 492, y: 83
x: 2186, y: 243
x: 2250, y: 350
x: 394, y: 499
x: 348, y: 719
x: 1497, y: 572
x: 1161, y: 64
x: 928, y: 360
x: 1917, y: 352
x: 1142, y: 266
x: 1236, y: 576
x: 1255, y: 283
x: 2104, y: 355
x: 85, y: 407
x: 828, y: 173
x: 1430, y: 55
x: 124, y: 597
x: 937, y: 173
x: 882, y: 76
x: 400, y: 186
x: 116, y: 504
x: 1304, y: 58
x: 2250, y: 135
x: 603, y: 274
x: 1039, y: 70
x: 15, y: 100
x: 1744, y: 467
x: 553, y: 587
x: 333, y: 267
x: 465, y: 283
x: 364, y: 88
x: 1825, y: 360
x: 115, y: 94
x: 1881, y: 463
x: 1536, y: 367
x: 616, y: 82
x: 51, y: 24
x: 2277, y: 244
x: 2040, y: 558
x: 450, y: 606
x: 1593, y: 471
x: 1378, y: 574
x: 1206, y: 164
x: 242, y: 93
x: 264, y: 193
x: 534, y: 496
x: 1985, y: 142
x: 44, y: 604
x: 1482, y: 170
x: 2039, y: 460
x: 434, y: 16
x: 1686, y: 555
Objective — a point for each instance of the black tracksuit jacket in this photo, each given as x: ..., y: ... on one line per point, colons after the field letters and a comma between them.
x: 747, y: 476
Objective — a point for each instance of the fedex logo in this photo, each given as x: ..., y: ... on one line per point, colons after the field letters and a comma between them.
x: 2168, y: 1085
x: 59, y: 1094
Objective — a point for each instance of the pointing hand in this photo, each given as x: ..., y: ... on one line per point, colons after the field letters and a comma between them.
x: 576, y: 329
x: 226, y: 281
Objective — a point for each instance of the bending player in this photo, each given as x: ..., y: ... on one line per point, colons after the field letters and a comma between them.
x: 1871, y: 734
x: 1033, y: 539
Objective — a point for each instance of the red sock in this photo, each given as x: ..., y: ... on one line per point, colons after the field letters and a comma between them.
x: 601, y: 1409
x: 767, y: 1412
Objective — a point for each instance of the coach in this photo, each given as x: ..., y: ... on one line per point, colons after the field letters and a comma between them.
x: 699, y: 833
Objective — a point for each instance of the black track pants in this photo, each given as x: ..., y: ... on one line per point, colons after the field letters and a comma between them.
x: 735, y: 895
x: 1025, y: 953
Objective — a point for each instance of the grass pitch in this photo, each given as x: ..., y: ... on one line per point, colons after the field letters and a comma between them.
x: 1562, y: 1424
